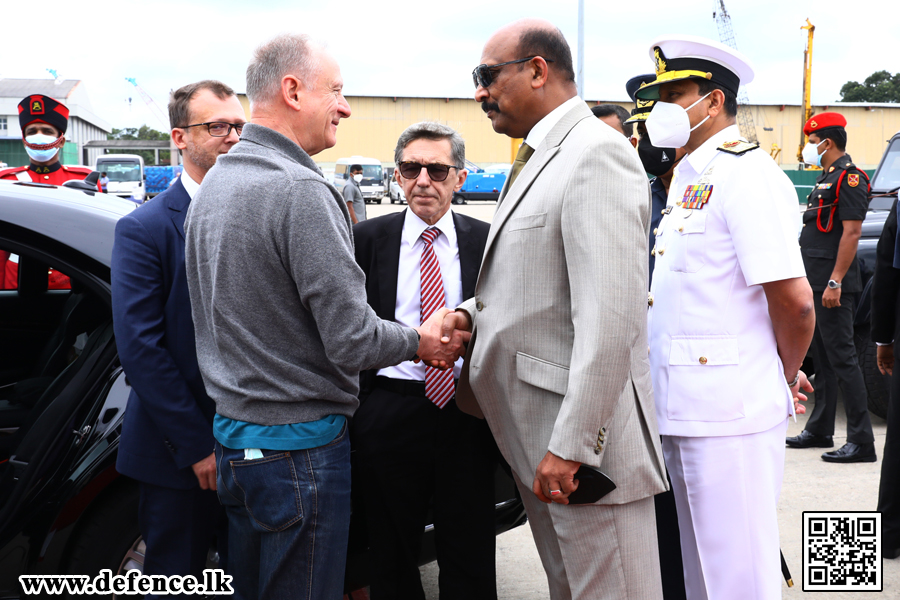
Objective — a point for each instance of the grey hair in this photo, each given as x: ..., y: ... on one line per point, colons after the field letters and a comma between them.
x: 286, y: 54
x: 429, y: 130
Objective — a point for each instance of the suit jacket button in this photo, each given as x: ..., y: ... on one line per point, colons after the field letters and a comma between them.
x: 649, y: 299
x: 479, y: 305
x: 681, y: 229
x: 662, y: 251
x: 598, y: 450
x: 703, y: 360
x: 656, y: 231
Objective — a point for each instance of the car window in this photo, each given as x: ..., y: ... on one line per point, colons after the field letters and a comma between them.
x: 888, y: 175
x: 9, y: 274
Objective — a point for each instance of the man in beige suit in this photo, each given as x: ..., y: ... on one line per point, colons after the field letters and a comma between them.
x: 558, y: 362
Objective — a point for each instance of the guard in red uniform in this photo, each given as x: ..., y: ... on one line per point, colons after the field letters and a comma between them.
x: 43, y: 121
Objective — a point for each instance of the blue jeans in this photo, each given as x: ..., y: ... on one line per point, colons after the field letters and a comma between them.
x: 288, y: 519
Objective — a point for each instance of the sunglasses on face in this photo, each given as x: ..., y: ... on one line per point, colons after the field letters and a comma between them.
x: 483, y: 75
x: 436, y: 171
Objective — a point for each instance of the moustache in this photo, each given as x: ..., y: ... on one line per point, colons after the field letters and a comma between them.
x: 488, y: 106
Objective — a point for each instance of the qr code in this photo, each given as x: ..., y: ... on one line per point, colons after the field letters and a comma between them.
x: 842, y: 551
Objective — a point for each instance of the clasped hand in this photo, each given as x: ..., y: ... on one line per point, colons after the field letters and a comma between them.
x: 437, y: 348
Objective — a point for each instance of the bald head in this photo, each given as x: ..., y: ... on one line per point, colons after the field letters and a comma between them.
x: 533, y: 75
x: 537, y: 37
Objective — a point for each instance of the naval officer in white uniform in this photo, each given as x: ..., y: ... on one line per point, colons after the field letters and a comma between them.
x: 730, y: 320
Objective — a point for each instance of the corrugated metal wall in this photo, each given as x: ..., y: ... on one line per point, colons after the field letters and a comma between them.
x: 377, y: 122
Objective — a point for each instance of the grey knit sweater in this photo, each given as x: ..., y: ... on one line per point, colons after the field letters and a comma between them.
x: 278, y: 301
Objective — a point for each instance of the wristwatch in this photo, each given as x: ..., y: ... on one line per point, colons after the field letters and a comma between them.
x: 834, y: 285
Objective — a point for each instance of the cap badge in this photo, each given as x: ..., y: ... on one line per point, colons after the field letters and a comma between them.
x: 660, y: 59
x: 37, y: 107
x: 853, y: 180
x: 813, y: 124
x: 644, y: 103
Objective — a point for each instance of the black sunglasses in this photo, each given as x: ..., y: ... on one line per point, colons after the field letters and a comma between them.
x: 436, y: 171
x: 218, y: 128
x: 483, y: 76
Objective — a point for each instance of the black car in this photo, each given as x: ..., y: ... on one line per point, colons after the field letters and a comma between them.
x: 883, y: 194
x: 63, y: 507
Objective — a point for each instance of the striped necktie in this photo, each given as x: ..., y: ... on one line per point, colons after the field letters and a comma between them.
x: 438, y: 384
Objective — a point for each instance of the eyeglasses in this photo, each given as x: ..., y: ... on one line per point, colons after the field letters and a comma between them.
x: 482, y: 74
x: 219, y: 128
x: 436, y: 171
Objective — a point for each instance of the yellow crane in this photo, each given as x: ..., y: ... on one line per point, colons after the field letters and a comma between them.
x: 807, y: 86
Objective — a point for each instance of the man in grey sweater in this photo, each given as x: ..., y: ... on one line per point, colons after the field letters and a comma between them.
x: 283, y: 329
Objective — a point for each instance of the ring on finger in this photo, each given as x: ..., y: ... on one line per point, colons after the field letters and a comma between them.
x: 555, y: 492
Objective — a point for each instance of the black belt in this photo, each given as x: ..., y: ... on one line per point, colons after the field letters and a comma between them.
x: 404, y: 387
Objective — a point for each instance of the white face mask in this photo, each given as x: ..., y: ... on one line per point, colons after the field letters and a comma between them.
x: 669, y: 125
x: 41, y: 155
x: 811, y: 154
x: 357, y: 178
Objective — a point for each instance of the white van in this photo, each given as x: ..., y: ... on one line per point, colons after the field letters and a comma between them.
x: 126, y: 175
x: 372, y: 185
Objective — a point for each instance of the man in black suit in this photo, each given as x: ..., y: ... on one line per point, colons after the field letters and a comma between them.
x: 413, y: 448
x: 167, y: 436
x: 885, y: 318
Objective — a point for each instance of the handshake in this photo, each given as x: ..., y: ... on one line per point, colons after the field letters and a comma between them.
x: 444, y: 336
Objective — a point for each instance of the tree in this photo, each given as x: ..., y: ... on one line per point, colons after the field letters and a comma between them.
x: 140, y: 133
x: 880, y: 86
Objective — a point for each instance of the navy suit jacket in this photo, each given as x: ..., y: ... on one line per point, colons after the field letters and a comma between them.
x: 168, y: 422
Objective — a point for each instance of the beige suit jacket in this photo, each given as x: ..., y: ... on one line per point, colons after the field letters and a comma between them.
x: 559, y: 361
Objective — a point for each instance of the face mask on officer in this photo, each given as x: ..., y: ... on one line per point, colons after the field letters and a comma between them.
x: 669, y: 125
x: 358, y: 177
x: 42, y: 148
x: 811, y: 154
x: 656, y: 161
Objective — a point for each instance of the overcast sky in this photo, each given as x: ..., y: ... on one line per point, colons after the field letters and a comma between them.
x: 424, y: 47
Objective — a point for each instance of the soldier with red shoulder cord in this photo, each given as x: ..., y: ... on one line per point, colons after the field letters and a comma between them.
x: 832, y: 224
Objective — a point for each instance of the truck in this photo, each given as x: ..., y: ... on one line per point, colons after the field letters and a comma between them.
x: 482, y: 184
x: 372, y: 185
x: 126, y: 175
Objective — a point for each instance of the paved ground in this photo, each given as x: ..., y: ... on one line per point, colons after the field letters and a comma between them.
x: 810, y: 484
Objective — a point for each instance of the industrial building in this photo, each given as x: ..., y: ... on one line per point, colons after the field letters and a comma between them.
x: 377, y: 122
x: 84, y: 125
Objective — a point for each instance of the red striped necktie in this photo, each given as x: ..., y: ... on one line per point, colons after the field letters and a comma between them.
x: 438, y: 384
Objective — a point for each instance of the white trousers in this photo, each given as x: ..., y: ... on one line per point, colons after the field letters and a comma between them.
x: 726, y: 492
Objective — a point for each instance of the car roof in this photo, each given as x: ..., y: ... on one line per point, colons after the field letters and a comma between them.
x: 79, y: 220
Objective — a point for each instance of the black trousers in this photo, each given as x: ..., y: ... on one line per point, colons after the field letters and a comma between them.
x: 889, y: 488
x: 834, y: 354
x: 409, y: 456
x: 178, y: 527
x: 671, y: 565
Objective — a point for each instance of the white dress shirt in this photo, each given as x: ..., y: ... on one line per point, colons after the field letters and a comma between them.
x: 190, y: 186
x: 543, y: 127
x: 713, y: 355
x: 407, y: 310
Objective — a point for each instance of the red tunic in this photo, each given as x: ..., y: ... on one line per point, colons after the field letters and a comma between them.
x: 55, y: 174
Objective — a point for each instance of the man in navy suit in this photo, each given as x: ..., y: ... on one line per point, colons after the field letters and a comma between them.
x: 413, y: 447
x: 167, y: 440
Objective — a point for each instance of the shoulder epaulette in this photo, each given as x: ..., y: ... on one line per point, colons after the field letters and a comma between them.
x: 11, y: 170
x: 738, y: 147
x: 73, y: 169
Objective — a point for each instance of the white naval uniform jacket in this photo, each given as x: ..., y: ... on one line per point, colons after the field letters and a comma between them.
x: 713, y: 356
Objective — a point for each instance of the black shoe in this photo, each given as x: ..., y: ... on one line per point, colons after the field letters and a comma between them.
x: 851, y: 453
x: 809, y: 440
x: 890, y: 553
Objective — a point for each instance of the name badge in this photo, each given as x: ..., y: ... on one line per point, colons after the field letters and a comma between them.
x: 696, y: 196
